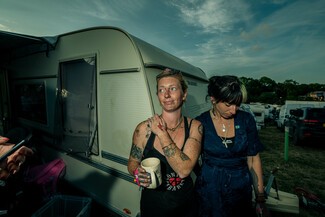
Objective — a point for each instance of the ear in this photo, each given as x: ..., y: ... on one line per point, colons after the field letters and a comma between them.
x: 184, y: 96
x: 213, y: 100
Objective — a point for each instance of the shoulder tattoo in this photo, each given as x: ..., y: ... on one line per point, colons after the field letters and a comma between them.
x: 200, y: 128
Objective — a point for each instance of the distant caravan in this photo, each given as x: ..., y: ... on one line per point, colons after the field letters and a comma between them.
x: 82, y: 94
x: 284, y: 113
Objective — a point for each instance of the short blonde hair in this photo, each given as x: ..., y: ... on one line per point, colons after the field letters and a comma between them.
x: 173, y: 73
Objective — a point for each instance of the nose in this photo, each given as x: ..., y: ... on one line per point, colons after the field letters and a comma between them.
x: 166, y: 95
x: 233, y: 109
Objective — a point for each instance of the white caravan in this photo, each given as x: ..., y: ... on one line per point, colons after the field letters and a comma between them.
x: 259, y: 112
x: 294, y: 104
x: 82, y: 94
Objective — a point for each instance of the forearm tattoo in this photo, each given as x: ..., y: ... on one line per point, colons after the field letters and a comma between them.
x: 136, y: 152
x: 184, y: 157
x: 170, y: 150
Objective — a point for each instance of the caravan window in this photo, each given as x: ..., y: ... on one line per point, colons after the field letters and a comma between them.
x: 30, y: 101
x: 77, y: 88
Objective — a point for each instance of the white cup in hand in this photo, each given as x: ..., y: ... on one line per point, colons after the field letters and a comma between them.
x: 152, y: 166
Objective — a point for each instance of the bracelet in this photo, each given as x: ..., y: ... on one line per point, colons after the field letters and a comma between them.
x: 260, y: 198
x: 172, y: 143
x: 136, y: 177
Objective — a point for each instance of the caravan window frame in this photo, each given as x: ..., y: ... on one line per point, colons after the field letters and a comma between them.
x: 34, y: 107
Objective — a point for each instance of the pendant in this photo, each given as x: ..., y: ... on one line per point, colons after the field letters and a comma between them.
x: 225, y: 143
x: 223, y: 128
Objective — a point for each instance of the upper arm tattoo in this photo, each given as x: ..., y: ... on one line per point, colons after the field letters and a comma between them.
x: 148, y: 131
x: 136, y: 152
x: 196, y: 140
x: 200, y: 128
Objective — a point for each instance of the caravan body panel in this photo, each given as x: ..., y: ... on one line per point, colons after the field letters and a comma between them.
x: 89, y: 121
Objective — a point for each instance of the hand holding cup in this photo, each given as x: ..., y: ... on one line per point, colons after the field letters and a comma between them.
x: 142, y: 178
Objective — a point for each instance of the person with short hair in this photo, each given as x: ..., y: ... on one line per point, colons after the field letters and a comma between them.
x: 231, y: 163
x: 176, y: 141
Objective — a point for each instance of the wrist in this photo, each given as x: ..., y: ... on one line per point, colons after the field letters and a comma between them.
x: 167, y: 146
x: 260, y: 198
x: 161, y: 133
x: 136, y: 177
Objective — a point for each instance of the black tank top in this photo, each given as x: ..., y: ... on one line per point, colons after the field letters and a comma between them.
x: 174, y: 195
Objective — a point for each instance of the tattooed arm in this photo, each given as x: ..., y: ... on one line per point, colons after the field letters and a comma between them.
x: 182, y: 161
x: 140, y: 137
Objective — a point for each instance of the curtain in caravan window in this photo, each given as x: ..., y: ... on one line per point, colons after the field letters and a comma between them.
x: 78, y: 105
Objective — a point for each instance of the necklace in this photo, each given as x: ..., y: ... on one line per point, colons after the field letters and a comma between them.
x: 224, y: 129
x: 175, y: 132
x: 223, y: 126
x: 224, y: 139
x: 174, y: 128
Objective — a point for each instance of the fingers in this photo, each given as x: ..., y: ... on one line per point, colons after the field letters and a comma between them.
x: 14, y: 164
x: 3, y: 139
x: 5, y: 147
x: 143, y: 178
x: 13, y: 167
x: 155, y: 123
x: 25, y: 151
x: 20, y: 154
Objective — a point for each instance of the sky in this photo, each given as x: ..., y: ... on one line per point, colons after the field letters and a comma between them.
x: 280, y: 39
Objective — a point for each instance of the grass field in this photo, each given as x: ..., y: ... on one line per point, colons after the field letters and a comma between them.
x: 304, y: 168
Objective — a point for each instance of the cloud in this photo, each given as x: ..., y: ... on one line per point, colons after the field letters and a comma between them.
x: 109, y: 10
x: 281, y: 42
x: 212, y: 16
x: 263, y: 37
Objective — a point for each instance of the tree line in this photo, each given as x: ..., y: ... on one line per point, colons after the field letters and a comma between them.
x: 266, y: 90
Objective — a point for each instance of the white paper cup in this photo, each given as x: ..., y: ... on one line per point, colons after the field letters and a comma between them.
x: 152, y: 166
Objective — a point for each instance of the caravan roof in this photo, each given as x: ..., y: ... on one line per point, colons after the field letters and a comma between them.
x: 15, y: 45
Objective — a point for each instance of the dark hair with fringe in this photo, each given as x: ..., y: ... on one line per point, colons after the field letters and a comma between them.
x: 227, y: 88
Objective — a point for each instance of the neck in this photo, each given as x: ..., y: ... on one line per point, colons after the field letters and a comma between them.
x: 216, y: 115
x: 173, y: 122
x: 222, y: 122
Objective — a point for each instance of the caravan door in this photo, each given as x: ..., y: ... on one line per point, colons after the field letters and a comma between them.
x: 77, y: 88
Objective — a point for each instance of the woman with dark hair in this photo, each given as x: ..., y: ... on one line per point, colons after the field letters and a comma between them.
x: 231, y: 163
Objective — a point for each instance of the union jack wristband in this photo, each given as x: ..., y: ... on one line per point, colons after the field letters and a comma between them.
x: 136, y: 177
